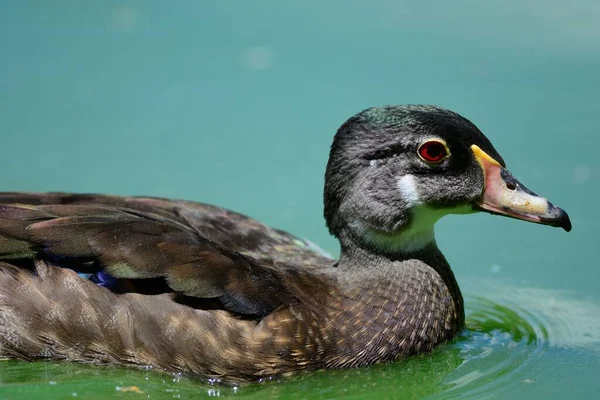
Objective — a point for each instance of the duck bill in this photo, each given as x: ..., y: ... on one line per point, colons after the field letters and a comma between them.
x: 503, y: 194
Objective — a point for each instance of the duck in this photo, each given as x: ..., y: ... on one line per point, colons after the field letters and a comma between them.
x: 192, y: 288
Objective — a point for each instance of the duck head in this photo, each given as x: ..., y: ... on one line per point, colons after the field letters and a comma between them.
x: 394, y: 171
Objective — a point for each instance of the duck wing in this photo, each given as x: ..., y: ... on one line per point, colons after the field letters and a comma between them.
x: 225, y: 227
x: 197, y: 250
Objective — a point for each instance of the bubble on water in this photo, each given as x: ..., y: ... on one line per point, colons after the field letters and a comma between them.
x: 258, y: 57
x: 496, y: 269
x: 125, y: 19
x: 582, y: 173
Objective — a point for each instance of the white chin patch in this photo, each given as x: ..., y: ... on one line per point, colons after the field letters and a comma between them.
x: 408, y: 190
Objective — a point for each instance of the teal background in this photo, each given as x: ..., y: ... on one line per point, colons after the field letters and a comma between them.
x: 235, y: 103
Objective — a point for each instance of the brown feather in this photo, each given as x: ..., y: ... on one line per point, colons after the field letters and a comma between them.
x: 276, y: 305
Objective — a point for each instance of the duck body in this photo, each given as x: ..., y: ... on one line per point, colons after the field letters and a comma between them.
x: 302, y: 312
x: 193, y: 288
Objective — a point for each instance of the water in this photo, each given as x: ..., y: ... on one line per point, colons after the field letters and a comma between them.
x: 235, y: 103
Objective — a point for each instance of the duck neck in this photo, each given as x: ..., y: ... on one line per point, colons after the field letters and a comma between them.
x: 358, y: 257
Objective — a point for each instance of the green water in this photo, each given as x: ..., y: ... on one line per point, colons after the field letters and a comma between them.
x: 235, y: 103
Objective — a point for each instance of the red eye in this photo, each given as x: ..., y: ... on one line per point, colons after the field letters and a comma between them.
x: 433, y: 151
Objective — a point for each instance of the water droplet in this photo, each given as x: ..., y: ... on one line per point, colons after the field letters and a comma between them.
x: 582, y: 173
x: 496, y: 269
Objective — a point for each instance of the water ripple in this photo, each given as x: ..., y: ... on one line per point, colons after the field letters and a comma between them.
x: 510, y: 330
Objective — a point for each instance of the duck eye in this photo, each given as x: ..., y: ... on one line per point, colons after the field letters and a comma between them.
x: 433, y: 151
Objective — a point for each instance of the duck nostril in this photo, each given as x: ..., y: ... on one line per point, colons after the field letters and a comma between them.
x: 511, y: 186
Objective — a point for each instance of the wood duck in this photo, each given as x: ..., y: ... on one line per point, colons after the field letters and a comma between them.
x: 193, y: 288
